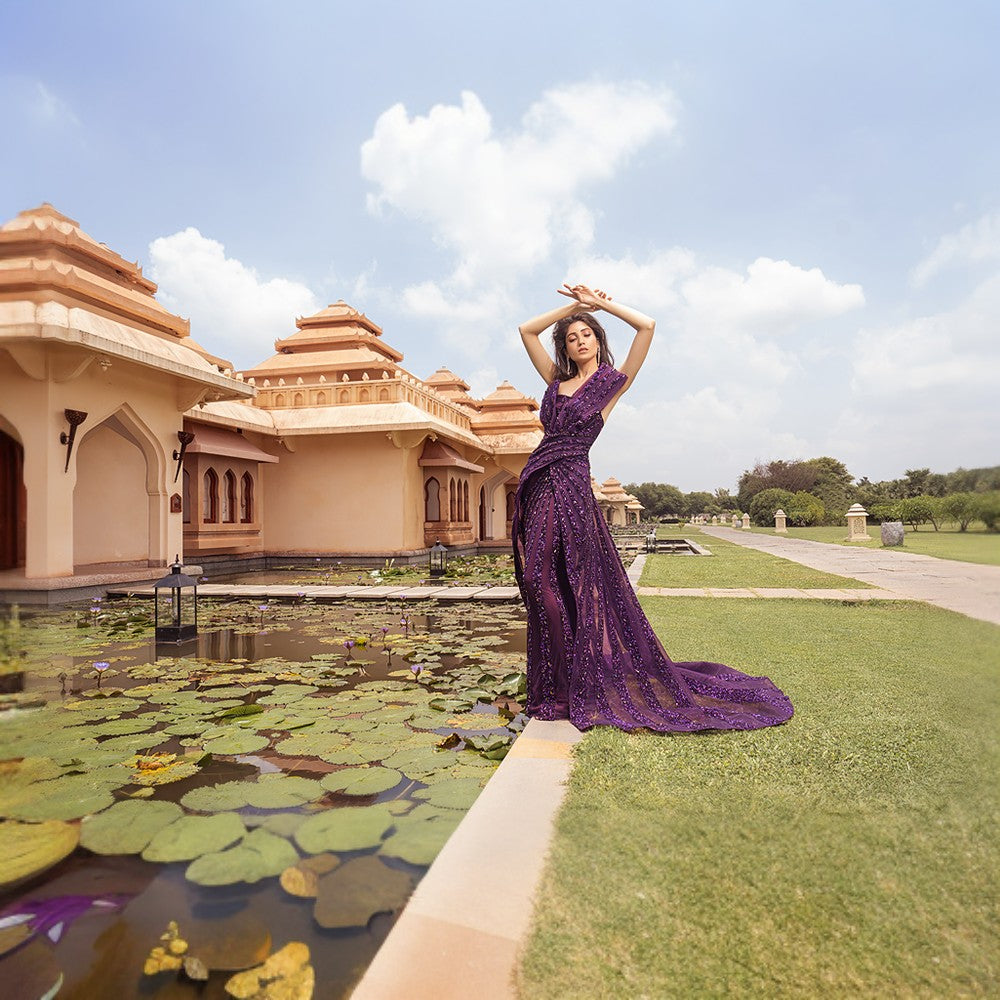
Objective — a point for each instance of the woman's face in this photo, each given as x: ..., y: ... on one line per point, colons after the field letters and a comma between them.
x: 581, y: 343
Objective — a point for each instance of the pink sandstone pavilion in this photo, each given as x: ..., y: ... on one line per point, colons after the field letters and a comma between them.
x: 123, y: 441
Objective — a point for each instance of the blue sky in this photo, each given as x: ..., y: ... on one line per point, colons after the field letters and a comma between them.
x: 805, y: 196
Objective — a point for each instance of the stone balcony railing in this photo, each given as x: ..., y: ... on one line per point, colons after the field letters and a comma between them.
x: 401, y: 389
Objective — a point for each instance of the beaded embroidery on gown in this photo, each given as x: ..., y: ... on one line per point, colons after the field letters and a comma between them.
x: 592, y: 655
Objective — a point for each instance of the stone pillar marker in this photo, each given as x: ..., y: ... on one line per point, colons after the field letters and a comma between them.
x: 715, y: 519
x: 746, y: 520
x: 736, y: 520
x: 857, y: 525
x: 779, y: 522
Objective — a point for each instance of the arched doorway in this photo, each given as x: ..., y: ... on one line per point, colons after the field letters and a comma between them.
x: 13, y: 503
x: 110, y: 501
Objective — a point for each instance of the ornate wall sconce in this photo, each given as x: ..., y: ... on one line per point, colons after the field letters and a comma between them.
x: 185, y: 438
x: 74, y: 418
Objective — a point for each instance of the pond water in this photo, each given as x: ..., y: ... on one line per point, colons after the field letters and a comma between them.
x: 283, y: 782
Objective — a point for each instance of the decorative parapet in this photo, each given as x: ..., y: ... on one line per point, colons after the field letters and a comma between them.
x: 401, y: 389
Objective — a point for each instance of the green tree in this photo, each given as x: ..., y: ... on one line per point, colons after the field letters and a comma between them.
x: 886, y: 511
x: 806, y: 510
x: 659, y: 499
x: 960, y: 508
x: 916, y: 482
x: 919, y: 510
x: 834, y: 487
x: 988, y: 509
x: 764, y: 504
x: 779, y: 475
x: 700, y: 502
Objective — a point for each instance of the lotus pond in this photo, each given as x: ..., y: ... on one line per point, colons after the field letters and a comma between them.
x: 245, y: 817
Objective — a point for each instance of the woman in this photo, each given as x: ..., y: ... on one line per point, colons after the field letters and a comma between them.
x: 592, y: 654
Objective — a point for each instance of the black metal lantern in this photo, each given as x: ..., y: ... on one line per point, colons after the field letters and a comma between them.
x: 179, y: 613
x: 651, y: 540
x: 438, y: 558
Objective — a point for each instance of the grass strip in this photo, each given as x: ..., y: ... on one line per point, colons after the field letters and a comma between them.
x: 732, y: 565
x: 974, y: 545
x: 852, y: 852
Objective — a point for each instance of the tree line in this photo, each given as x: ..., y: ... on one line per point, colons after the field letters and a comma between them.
x: 820, y: 491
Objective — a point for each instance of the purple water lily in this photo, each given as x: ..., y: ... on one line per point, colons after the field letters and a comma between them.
x: 51, y: 917
x: 100, y: 666
x: 349, y: 645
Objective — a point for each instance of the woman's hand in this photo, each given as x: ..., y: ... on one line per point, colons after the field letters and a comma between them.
x: 590, y: 300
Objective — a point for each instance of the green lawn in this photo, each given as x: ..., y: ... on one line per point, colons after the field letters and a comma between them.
x: 949, y: 543
x: 732, y: 565
x: 852, y: 852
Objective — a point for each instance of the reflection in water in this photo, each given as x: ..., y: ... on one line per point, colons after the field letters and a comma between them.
x: 102, y: 955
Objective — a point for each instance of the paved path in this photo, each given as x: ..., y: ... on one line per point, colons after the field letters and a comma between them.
x: 968, y: 588
x: 284, y: 592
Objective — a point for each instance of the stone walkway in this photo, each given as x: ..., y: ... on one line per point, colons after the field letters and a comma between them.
x: 967, y: 588
x: 283, y: 592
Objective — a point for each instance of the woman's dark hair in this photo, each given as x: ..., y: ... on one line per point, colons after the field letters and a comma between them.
x: 565, y: 366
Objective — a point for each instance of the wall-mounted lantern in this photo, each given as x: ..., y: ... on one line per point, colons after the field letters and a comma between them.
x: 185, y: 438
x: 74, y: 418
x: 177, y: 619
x: 438, y: 558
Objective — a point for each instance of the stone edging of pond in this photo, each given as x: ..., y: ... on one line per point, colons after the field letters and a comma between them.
x: 441, y: 947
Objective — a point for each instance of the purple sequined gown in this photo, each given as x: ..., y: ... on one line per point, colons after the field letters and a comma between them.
x: 592, y: 655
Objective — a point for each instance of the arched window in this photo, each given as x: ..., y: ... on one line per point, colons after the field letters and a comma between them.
x: 229, y: 497
x: 432, y: 500
x: 482, y: 512
x: 298, y: 399
x: 210, y: 497
x: 321, y: 399
x: 246, y: 499
x: 383, y: 395
x: 279, y: 400
x: 186, y: 497
x: 452, y: 512
x: 510, y: 505
x: 345, y: 396
x: 363, y: 396
x: 465, y: 501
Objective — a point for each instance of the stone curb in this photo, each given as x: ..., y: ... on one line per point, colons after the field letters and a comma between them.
x: 443, y: 948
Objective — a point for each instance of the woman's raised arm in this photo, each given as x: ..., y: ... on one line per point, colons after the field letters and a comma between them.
x: 532, y: 330
x: 640, y: 322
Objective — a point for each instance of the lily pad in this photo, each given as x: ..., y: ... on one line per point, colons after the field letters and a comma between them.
x: 225, y: 797
x: 419, y: 842
x: 236, y: 743
x: 458, y: 794
x: 30, y: 848
x: 352, y: 894
x: 127, y: 827
x: 362, y: 781
x: 282, y: 824
x: 302, y: 879
x: 191, y: 836
x: 344, y: 829
x: 67, y: 798
x: 260, y: 855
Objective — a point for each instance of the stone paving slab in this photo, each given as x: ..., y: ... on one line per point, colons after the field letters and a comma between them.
x: 968, y: 588
x: 440, y: 949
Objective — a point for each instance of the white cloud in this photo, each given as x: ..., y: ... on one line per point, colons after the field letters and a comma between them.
x: 50, y: 108
x: 232, y: 309
x: 956, y: 348
x: 700, y: 440
x: 977, y: 241
x: 501, y: 202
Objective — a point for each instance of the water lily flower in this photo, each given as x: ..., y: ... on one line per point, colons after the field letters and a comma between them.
x: 348, y: 645
x: 52, y: 916
x: 100, y: 666
x: 416, y: 668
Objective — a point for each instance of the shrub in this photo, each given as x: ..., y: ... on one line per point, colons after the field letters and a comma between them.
x: 805, y: 510
x: 988, y: 509
x: 765, y: 503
